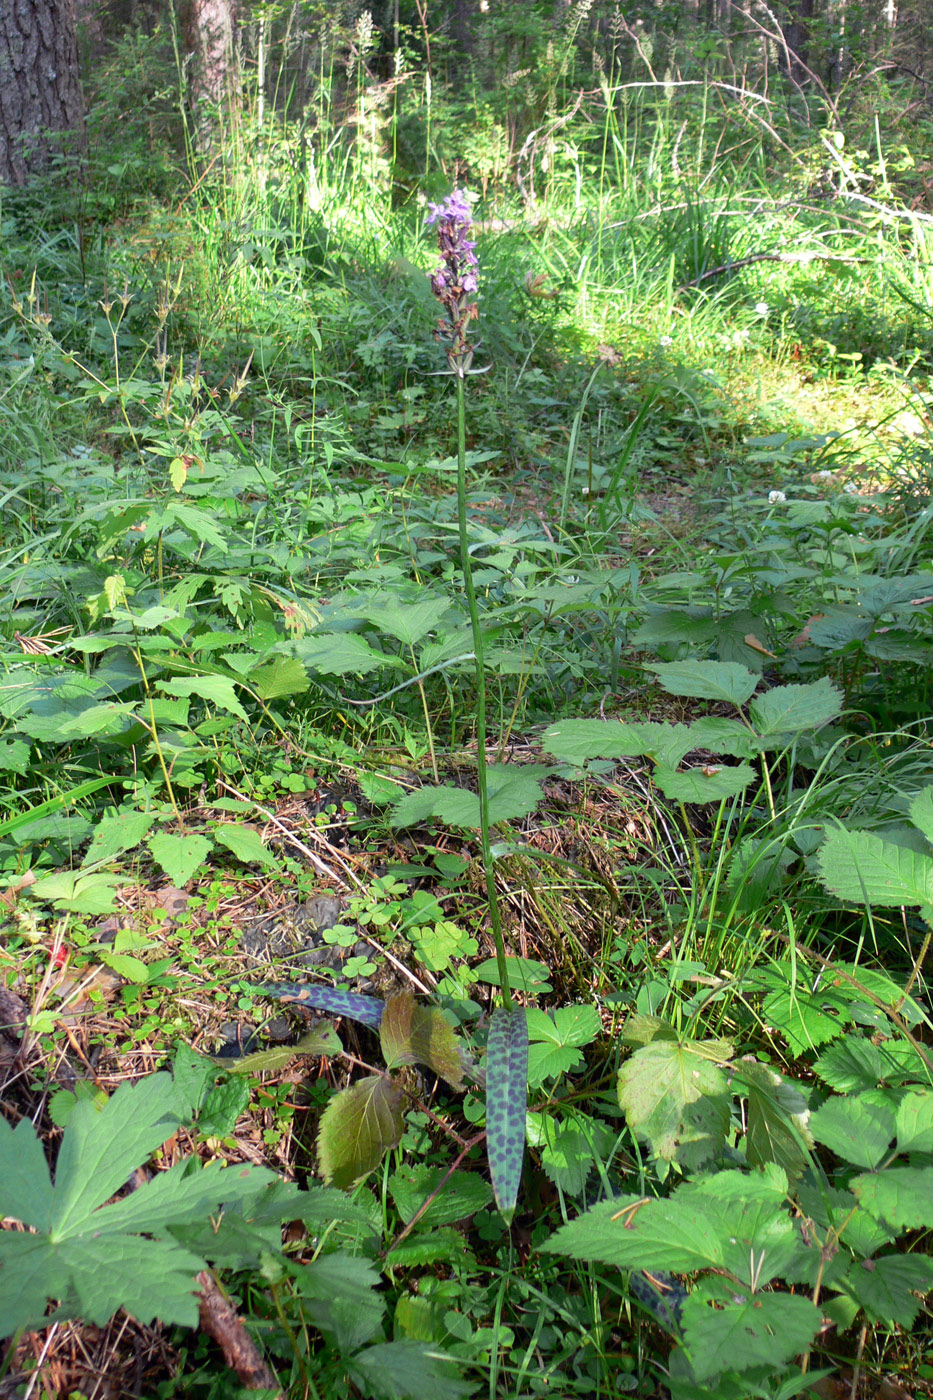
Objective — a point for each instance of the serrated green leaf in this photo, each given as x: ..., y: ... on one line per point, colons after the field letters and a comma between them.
x: 778, y: 1120
x: 514, y: 791
x: 789, y: 709
x: 358, y: 1127
x: 342, y: 654
x: 367, y: 1010
x: 280, y: 678
x: 676, y: 1098
x: 902, y: 1196
x: 506, y: 1099
x: 579, y: 740
x: 217, y: 690
x: 14, y: 756
x: 407, y: 1370
x: 461, y: 1194
x: 222, y: 1105
x: 719, y: 735
x: 414, y: 1034
x: 441, y: 1246
x: 831, y: 1207
x: 92, y: 893
x: 707, y: 680
x: 863, y: 867
x: 246, y: 844
x: 805, y: 1018
x: 179, y: 856
x: 852, y: 1064
x: 642, y: 1029
x: 920, y: 812
x: 885, y: 1286
x: 408, y: 622
x: 915, y: 1122
x: 709, y: 783
x: 858, y: 1129
x: 338, y: 1292
x: 556, y: 1039
x: 25, y: 1185
x: 117, y: 832
x: 631, y: 1232
x: 766, y: 1329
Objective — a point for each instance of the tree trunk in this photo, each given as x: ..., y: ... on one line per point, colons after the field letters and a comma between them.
x: 41, y: 105
x: 209, y: 27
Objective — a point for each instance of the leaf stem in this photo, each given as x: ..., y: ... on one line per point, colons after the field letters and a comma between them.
x: 476, y: 627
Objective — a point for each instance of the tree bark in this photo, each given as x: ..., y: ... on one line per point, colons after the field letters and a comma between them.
x: 41, y: 104
x: 209, y: 28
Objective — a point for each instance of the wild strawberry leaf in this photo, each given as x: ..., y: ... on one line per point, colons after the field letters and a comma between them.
x: 358, y: 1126
x: 886, y: 1287
x: 858, y: 1129
x: 762, y: 1329
x: 506, y: 1099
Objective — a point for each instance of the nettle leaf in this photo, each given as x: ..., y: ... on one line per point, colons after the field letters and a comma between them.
x: 407, y: 1370
x: 631, y: 1232
x: 778, y: 1120
x: 859, y: 1130
x: 218, y: 690
x: 367, y: 1010
x: 766, y: 1329
x: 179, y: 856
x: 556, y: 1039
x: 806, y: 1018
x: 859, y: 866
x: 408, y: 622
x: 707, y: 680
x: 718, y: 735
x: 788, y: 709
x: 885, y: 1287
x: 675, y: 1097
x: 709, y: 783
x: 506, y: 1099
x: 414, y: 1034
x: 514, y: 791
x: 357, y: 1128
x: 343, y: 654
x: 461, y: 1194
x: 852, y: 1064
x: 920, y: 812
x: 246, y: 844
x: 902, y: 1196
x: 280, y: 678
x: 915, y: 1122
x: 117, y: 832
x: 579, y: 740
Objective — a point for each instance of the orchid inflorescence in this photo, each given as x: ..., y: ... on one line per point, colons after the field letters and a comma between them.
x: 455, y: 280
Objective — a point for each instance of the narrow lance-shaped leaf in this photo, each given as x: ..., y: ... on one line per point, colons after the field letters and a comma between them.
x: 367, y: 1010
x: 506, y: 1100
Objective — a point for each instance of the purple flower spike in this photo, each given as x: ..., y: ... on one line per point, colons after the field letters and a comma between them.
x: 455, y: 280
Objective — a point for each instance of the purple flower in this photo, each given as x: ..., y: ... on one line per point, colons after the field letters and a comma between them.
x: 455, y: 280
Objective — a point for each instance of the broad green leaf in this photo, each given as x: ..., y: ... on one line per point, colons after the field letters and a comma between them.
x: 886, y: 1287
x: 852, y: 1064
x: 858, y: 1129
x: 556, y: 1039
x: 338, y: 1292
x: 407, y: 1370
x: 514, y: 791
x: 631, y: 1232
x: 902, y: 1196
x: 14, y: 756
x: 246, y: 844
x: 831, y: 1207
x: 859, y: 866
x: 109, y: 718
x: 506, y: 1098
x: 82, y: 894
x: 718, y: 735
x: 766, y: 1329
x: 921, y: 812
x: 707, y: 680
x: 406, y: 621
x: 460, y: 1194
x: 323, y: 1040
x: 642, y: 1029
x: 777, y: 1127
x: 571, y: 1150
x: 709, y: 783
x: 117, y: 832
x: 525, y: 974
x: 179, y: 856
x: 25, y: 1185
x: 101, y: 1148
x: 915, y: 1122
x: 676, y: 1098
x: 282, y: 677
x: 222, y: 1105
x: 342, y: 654
x: 788, y: 709
x: 806, y: 1018
x: 181, y: 1195
x: 579, y: 740
x: 367, y: 1010
x: 414, y: 1034
x: 217, y: 690
x: 357, y: 1128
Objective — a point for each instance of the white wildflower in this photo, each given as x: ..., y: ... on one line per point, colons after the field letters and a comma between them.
x: 776, y: 497
x: 761, y: 308
x: 666, y: 341
x: 824, y: 475
x: 851, y: 488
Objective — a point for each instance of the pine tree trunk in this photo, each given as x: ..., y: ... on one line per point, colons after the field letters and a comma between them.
x: 209, y: 28
x: 41, y: 105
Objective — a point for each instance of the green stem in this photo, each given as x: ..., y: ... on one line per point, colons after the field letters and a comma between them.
x: 477, y: 630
